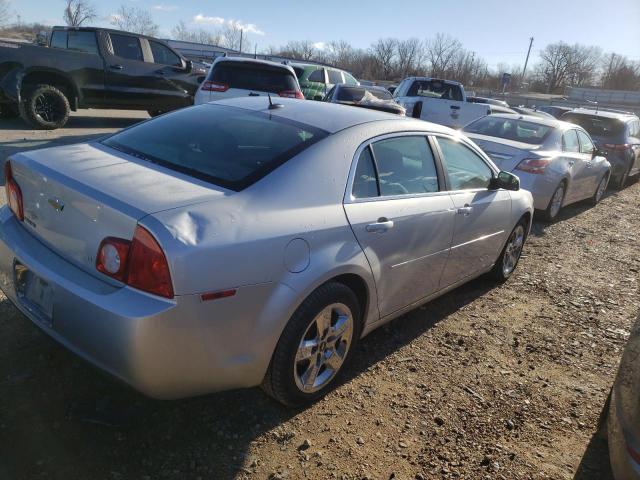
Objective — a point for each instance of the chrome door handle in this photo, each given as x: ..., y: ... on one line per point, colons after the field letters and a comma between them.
x: 466, y: 210
x: 381, y: 226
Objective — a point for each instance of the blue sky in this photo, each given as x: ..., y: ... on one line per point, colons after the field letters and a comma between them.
x: 497, y: 30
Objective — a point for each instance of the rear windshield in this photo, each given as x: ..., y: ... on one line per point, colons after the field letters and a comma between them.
x: 510, y: 129
x: 355, y: 94
x: 223, y: 145
x: 253, y: 76
x: 595, y: 125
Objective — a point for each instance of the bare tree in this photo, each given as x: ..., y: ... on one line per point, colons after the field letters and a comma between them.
x: 78, y: 11
x: 441, y: 52
x: 384, y: 52
x: 619, y: 73
x: 182, y: 32
x: 302, y: 50
x: 136, y: 20
x: 410, y: 54
x: 5, y: 12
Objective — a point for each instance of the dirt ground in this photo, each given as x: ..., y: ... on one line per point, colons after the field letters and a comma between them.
x: 487, y: 382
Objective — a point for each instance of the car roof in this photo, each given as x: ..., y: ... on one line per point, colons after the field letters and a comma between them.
x: 429, y: 79
x: 316, y: 65
x: 604, y: 113
x: 252, y: 60
x: 330, y: 117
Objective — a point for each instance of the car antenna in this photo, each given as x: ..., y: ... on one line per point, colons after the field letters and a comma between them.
x: 273, y: 106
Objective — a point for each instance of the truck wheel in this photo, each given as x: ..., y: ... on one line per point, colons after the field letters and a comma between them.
x: 8, y: 110
x: 45, y: 107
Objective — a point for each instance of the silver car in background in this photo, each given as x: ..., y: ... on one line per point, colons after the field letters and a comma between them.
x: 245, y: 242
x: 556, y: 161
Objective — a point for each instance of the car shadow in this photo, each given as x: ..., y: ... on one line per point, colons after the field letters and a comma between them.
x: 82, y: 121
x: 594, y: 464
x: 72, y: 421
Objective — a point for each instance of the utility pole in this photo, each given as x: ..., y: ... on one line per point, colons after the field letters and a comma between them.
x: 526, y: 62
x: 241, y: 32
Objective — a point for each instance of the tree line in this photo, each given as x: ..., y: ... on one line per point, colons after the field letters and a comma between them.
x: 558, y: 65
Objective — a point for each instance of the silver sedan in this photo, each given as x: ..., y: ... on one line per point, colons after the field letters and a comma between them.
x: 556, y: 161
x: 246, y: 242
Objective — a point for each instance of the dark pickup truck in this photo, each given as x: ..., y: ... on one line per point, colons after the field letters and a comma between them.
x: 93, y: 68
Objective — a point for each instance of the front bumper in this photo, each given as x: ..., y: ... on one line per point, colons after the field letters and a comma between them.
x: 163, y: 348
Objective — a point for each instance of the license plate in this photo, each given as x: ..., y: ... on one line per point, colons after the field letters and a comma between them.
x: 36, y: 293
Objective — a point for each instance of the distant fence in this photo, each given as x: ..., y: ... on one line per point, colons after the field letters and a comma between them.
x: 615, y: 97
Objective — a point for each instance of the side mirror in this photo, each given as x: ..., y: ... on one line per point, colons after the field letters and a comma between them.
x: 598, y: 153
x: 506, y: 181
x: 187, y: 65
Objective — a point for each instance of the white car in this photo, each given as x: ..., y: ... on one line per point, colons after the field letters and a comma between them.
x: 231, y: 77
x: 438, y: 101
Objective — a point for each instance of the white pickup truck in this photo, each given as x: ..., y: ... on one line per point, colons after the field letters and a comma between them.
x: 438, y: 101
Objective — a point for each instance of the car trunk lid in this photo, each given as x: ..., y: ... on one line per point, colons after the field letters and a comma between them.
x: 506, y: 154
x: 75, y: 196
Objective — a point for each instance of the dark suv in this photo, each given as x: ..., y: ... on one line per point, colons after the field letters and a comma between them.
x: 615, y: 133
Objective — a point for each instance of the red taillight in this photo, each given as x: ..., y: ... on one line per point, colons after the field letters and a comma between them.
x: 148, y: 267
x: 112, y: 257
x: 536, y: 166
x: 292, y: 94
x: 139, y: 263
x: 209, y: 86
x: 14, y: 194
x: 619, y: 147
x: 217, y: 295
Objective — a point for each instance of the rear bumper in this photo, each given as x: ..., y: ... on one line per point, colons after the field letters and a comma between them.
x: 541, y: 187
x: 163, y: 348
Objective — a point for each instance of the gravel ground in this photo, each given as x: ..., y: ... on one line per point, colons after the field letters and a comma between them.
x: 495, y: 382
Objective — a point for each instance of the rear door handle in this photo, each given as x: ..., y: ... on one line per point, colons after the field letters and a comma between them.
x: 466, y: 210
x: 382, y: 225
x: 116, y: 67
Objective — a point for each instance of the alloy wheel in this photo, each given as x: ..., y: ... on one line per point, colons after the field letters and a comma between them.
x: 556, y: 201
x: 48, y: 107
x: 323, y: 348
x: 513, y: 250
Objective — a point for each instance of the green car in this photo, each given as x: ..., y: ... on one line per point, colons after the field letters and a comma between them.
x: 316, y: 80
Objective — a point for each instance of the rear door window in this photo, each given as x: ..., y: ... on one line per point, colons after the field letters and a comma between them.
x: 349, y: 79
x: 223, y: 145
x: 365, y: 183
x: 83, y: 41
x: 317, y: 76
x: 570, y: 142
x: 59, y: 39
x: 126, y: 46
x: 335, y: 77
x: 254, y: 76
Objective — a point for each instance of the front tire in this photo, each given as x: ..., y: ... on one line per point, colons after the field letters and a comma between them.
x: 555, y: 204
x: 510, y: 256
x: 45, y: 107
x: 314, y: 346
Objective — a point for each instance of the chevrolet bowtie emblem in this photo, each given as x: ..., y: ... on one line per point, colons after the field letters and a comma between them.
x: 56, y: 204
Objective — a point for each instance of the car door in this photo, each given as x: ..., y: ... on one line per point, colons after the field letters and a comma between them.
x: 130, y: 80
x: 482, y: 215
x: 171, y: 78
x: 593, y: 165
x: 577, y: 167
x: 401, y: 217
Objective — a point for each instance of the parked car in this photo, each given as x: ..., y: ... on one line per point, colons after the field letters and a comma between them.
x: 617, y: 134
x: 497, y: 109
x: 623, y: 423
x: 231, y: 77
x: 490, y: 101
x: 438, y: 101
x: 532, y: 112
x: 554, y: 110
x: 317, y: 80
x: 93, y: 68
x: 556, y: 161
x: 375, y: 98
x: 291, y: 230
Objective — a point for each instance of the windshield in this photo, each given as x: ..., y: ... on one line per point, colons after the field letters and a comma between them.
x: 223, y: 145
x: 356, y: 94
x: 595, y: 125
x: 510, y: 129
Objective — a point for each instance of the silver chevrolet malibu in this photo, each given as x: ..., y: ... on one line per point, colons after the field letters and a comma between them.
x: 556, y: 161
x: 247, y: 242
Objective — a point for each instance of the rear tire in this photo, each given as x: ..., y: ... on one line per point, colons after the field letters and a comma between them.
x: 44, y: 107
x: 620, y: 182
x: 510, y: 256
x: 600, y: 189
x: 314, y: 346
x: 555, y: 204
